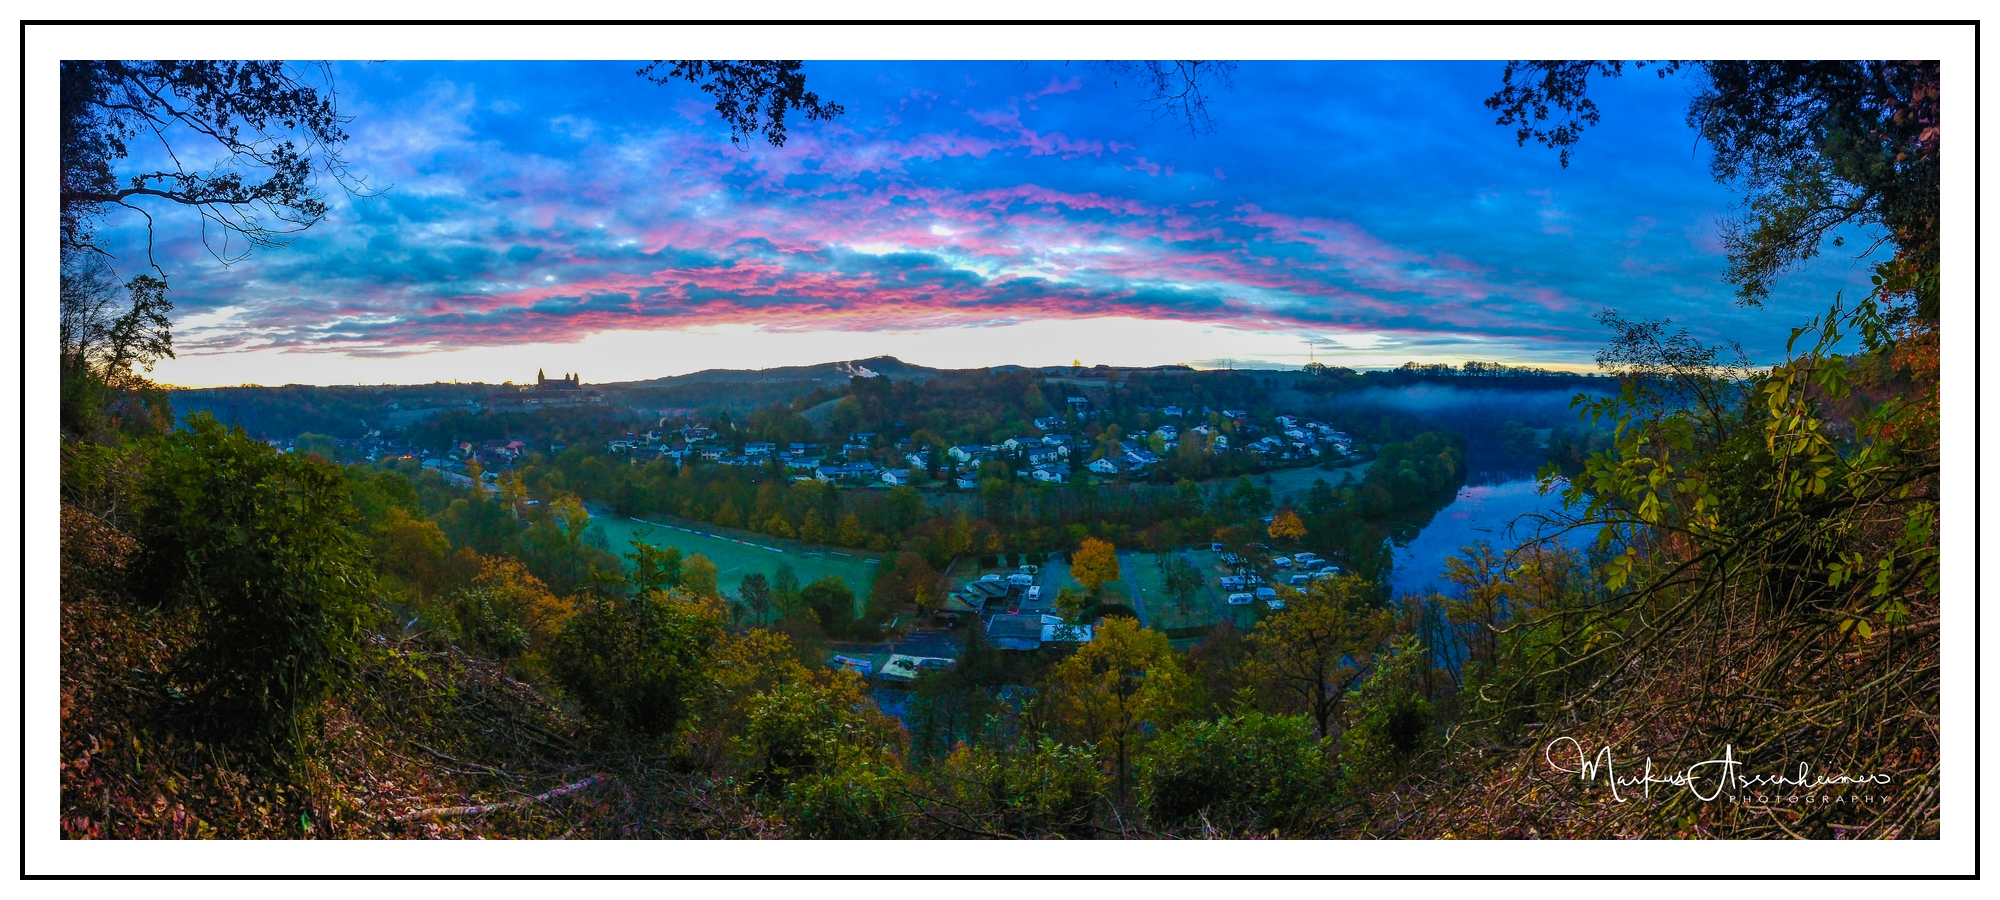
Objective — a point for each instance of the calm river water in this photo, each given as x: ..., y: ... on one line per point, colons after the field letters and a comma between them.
x: 1482, y: 512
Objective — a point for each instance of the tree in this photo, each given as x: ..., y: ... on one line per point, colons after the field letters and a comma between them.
x: 109, y: 333
x: 411, y: 548
x: 655, y: 569
x: 1814, y: 145
x: 1175, y: 88
x: 752, y: 95
x: 259, y: 546
x: 635, y: 665
x: 831, y: 602
x: 507, y: 611
x: 1094, y: 565
x: 277, y: 132
x: 700, y: 578
x: 785, y: 590
x: 755, y: 591
x: 1287, y: 526
x: 1182, y: 581
x: 1320, y: 646
x: 1124, y: 679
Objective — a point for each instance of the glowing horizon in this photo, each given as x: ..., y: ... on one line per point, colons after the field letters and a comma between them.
x: 572, y: 216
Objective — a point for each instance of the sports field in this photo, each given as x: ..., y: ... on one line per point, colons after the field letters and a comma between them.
x: 736, y: 558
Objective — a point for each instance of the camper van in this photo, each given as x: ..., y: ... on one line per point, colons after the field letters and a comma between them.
x: 1281, y: 562
x: 1240, y: 599
x: 1269, y: 595
x: 1299, y: 580
x: 1235, y: 582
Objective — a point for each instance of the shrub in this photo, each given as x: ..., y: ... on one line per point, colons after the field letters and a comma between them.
x: 258, y: 545
x: 635, y: 665
x: 1250, y: 773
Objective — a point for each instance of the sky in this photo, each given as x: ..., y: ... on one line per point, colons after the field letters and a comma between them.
x: 573, y: 217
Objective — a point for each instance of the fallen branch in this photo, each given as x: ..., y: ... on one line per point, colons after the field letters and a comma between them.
x: 445, y: 812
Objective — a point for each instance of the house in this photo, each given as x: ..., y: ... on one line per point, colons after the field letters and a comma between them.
x: 1054, y: 630
x: 1234, y: 413
x: 1078, y: 402
x: 713, y: 453
x: 864, y: 438
x: 919, y: 460
x: 1140, y: 458
x: 1044, y: 456
x: 802, y: 463
x: 895, y: 476
x: 1166, y: 432
x: 1047, y: 423
x: 1173, y: 412
x: 1055, y: 440
x: 759, y: 448
x: 967, y: 483
x: 1056, y: 474
x: 966, y: 452
x: 1014, y: 632
x: 1104, y: 467
x: 1013, y: 444
x: 1288, y: 421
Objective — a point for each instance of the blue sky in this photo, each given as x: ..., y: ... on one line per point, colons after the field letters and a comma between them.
x: 572, y: 216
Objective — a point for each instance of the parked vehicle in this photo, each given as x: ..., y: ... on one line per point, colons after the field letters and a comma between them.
x: 1305, y: 557
x: 1236, y: 582
x: 1274, y: 603
x: 1300, y: 580
x: 1240, y: 599
x: 1020, y: 580
x: 1281, y: 562
x: 1216, y: 547
x: 1325, y: 574
x: 1267, y: 594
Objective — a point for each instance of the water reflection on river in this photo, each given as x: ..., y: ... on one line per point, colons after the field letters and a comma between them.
x: 1481, y: 512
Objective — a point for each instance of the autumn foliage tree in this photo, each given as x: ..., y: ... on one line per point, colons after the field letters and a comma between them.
x: 1094, y: 565
x: 1287, y: 526
x: 1107, y: 693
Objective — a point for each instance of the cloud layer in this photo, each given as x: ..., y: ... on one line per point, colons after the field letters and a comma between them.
x: 543, y: 203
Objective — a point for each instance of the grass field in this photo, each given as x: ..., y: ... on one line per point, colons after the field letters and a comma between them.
x: 1205, y: 608
x: 735, y: 560
x: 1294, y: 483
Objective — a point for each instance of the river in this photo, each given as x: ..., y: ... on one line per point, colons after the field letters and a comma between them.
x: 1480, y: 512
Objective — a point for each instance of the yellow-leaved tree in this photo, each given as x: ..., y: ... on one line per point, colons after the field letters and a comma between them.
x: 1287, y: 526
x: 1319, y: 647
x: 1126, y: 677
x: 1094, y: 565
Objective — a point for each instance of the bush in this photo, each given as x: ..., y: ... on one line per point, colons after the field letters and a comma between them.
x: 635, y: 665
x: 1247, y: 773
x: 258, y: 545
x: 832, y: 603
x: 1046, y: 789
